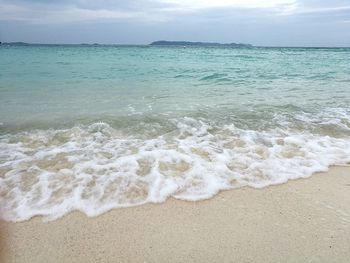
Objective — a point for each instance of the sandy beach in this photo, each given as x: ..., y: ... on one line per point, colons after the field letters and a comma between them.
x: 306, y: 220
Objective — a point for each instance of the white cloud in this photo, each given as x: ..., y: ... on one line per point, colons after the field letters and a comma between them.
x: 67, y: 14
x: 323, y: 9
x: 145, y: 10
x: 201, y: 4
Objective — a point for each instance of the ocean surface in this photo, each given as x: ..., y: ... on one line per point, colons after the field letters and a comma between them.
x: 92, y: 128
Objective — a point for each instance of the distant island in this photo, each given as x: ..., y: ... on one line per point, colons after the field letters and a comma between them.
x: 156, y: 43
x: 201, y: 44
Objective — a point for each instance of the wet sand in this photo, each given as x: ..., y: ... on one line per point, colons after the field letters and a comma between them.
x: 306, y: 220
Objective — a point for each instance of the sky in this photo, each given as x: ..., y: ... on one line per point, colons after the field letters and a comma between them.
x: 258, y: 22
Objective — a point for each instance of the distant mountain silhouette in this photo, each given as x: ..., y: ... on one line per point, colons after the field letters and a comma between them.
x: 204, y: 44
x: 15, y: 43
x: 156, y: 43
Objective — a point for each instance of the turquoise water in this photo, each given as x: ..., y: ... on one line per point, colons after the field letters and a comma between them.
x: 95, y: 128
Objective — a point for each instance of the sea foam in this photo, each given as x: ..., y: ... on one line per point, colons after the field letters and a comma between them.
x: 95, y: 168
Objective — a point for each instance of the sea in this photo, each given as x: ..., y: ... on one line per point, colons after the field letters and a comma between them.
x: 91, y: 128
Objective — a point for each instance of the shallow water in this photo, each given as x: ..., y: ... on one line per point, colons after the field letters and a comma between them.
x: 94, y: 128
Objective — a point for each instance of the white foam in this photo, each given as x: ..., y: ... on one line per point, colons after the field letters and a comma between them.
x: 94, y: 168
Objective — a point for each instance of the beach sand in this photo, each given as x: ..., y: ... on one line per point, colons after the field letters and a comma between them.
x: 306, y: 220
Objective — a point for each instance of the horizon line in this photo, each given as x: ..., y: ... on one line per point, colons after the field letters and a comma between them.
x: 149, y: 44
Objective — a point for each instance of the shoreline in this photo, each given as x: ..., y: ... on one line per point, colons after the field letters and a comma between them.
x: 304, y: 220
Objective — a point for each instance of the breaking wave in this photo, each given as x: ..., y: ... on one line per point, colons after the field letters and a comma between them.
x: 95, y: 168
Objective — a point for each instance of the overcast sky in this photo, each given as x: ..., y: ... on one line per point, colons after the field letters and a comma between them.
x: 259, y: 22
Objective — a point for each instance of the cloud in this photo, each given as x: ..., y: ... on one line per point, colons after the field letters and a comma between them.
x: 331, y: 9
x: 203, y: 4
x: 147, y: 10
x: 71, y: 11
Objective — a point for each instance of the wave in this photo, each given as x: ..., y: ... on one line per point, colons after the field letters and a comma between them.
x: 95, y: 168
x: 213, y: 76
